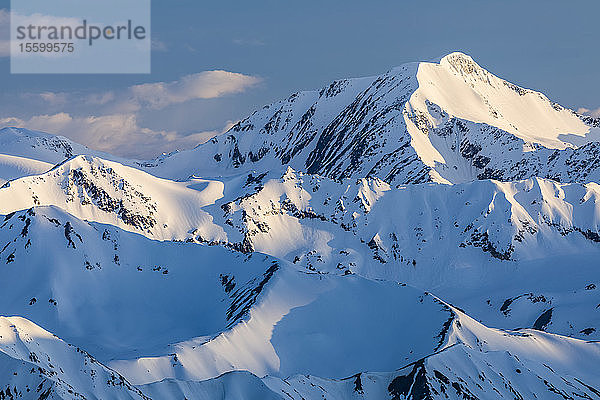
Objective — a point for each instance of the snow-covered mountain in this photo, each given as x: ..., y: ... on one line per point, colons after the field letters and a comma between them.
x: 430, y: 233
x: 448, y: 122
x: 34, y: 364
x: 103, y: 191
x: 26, y: 152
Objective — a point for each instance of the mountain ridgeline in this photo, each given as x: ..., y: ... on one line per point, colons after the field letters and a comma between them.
x: 451, y: 122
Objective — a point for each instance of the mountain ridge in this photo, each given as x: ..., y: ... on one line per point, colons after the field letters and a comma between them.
x: 381, y: 126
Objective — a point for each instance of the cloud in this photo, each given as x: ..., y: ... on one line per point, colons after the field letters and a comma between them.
x: 157, y: 45
x: 190, y: 48
x: 249, y: 42
x: 119, y: 134
x: 595, y: 113
x: 204, y: 85
x: 123, y: 121
x: 55, y: 99
x: 157, y: 95
x: 100, y: 99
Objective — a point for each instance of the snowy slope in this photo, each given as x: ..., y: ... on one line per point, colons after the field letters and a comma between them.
x: 12, y: 167
x: 103, y: 191
x: 451, y: 240
x: 237, y: 385
x: 25, y: 152
x: 38, y: 146
x: 100, y: 277
x: 278, y: 339
x: 470, y: 361
x: 466, y: 91
x: 34, y: 364
x: 476, y: 363
x: 486, y: 231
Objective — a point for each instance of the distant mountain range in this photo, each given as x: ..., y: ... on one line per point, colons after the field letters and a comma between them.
x: 429, y: 233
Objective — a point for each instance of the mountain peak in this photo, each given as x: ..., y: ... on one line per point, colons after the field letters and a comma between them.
x: 452, y: 56
x: 456, y: 60
x: 460, y: 62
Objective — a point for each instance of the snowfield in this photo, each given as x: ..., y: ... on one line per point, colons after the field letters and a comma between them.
x: 429, y: 233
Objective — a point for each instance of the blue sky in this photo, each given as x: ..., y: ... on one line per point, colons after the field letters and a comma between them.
x: 274, y: 48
